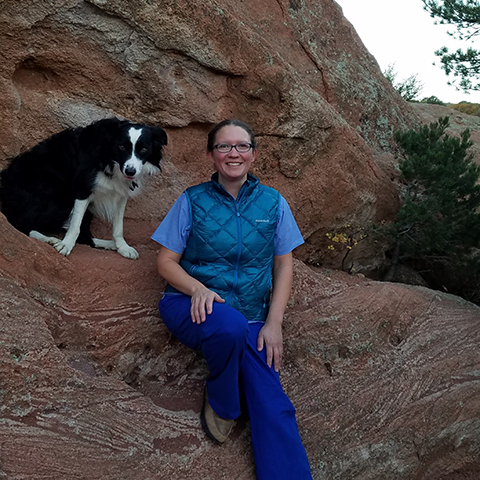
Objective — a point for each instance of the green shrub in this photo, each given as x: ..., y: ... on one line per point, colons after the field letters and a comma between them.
x: 432, y: 100
x: 438, y: 225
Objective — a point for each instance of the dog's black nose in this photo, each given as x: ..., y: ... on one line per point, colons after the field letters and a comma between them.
x: 130, y: 172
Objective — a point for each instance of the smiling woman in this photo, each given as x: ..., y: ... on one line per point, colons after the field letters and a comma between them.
x: 221, y: 242
x: 232, y: 163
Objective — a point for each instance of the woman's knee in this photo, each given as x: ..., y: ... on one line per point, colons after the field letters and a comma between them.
x: 229, y: 323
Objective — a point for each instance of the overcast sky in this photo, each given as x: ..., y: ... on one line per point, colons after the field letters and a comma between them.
x: 400, y: 32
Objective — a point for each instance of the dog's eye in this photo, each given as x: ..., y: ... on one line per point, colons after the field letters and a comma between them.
x: 143, y: 150
x: 121, y: 148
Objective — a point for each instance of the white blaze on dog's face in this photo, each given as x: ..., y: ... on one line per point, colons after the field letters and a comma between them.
x: 133, y: 165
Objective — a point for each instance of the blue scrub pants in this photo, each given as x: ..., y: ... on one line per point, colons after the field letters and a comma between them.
x: 229, y: 345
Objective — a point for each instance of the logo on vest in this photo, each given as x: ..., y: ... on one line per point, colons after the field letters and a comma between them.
x: 261, y: 220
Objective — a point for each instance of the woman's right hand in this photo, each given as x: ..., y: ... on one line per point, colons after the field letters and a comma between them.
x: 168, y: 264
x: 202, y: 303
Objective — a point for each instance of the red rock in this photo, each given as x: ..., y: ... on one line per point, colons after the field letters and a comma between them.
x: 297, y: 72
x: 92, y: 386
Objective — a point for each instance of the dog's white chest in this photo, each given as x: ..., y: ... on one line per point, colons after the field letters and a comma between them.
x: 108, y: 195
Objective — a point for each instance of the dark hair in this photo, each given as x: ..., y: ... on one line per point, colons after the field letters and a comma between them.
x: 225, y: 123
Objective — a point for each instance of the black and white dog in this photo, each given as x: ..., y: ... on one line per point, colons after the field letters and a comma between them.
x: 77, y: 173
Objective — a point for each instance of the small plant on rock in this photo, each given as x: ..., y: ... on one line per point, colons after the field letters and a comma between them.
x: 345, y: 241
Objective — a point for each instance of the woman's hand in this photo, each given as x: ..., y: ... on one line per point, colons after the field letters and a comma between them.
x: 168, y: 264
x: 202, y: 303
x: 271, y: 337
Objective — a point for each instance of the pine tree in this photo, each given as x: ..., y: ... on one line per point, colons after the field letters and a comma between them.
x: 439, y: 221
x: 463, y: 66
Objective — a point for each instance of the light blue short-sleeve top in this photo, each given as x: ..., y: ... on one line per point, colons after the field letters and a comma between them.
x: 173, y: 231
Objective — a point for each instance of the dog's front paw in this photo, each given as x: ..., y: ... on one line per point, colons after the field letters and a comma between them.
x: 64, y: 248
x: 128, y: 252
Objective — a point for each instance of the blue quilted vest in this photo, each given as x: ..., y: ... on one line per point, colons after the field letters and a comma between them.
x: 231, y: 244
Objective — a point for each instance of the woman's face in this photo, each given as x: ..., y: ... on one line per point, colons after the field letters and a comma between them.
x: 232, y: 166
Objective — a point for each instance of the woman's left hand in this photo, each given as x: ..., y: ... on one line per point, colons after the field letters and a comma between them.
x: 271, y: 337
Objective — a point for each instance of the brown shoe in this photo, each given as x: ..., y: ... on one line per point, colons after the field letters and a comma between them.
x: 217, y: 428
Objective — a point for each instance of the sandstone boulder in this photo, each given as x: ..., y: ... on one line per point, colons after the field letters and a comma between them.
x: 92, y: 386
x: 296, y: 71
x: 384, y: 376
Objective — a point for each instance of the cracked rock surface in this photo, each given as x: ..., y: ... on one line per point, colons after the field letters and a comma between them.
x: 385, y: 377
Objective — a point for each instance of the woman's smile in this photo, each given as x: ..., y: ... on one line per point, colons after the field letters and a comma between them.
x: 232, y: 166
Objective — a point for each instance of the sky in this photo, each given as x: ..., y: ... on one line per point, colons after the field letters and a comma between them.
x: 401, y: 33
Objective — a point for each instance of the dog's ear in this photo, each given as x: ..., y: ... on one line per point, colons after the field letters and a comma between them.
x: 159, y: 136
x: 111, y: 122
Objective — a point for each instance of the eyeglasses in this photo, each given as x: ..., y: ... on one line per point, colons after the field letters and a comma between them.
x: 239, y: 147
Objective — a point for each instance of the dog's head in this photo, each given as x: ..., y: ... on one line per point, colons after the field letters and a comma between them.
x: 122, y: 146
x: 140, y: 149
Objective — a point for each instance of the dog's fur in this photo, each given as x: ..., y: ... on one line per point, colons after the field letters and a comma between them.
x: 77, y: 173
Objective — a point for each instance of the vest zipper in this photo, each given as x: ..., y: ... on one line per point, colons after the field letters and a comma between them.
x: 239, y: 252
x: 239, y: 238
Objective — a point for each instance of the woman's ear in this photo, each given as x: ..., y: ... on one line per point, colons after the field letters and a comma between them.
x: 210, y: 157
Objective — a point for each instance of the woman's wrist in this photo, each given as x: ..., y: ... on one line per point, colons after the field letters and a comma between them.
x: 274, y: 319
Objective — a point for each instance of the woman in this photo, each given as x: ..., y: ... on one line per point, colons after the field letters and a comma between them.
x: 220, y: 244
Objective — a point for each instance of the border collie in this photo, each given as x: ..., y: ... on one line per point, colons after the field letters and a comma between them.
x: 77, y: 173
